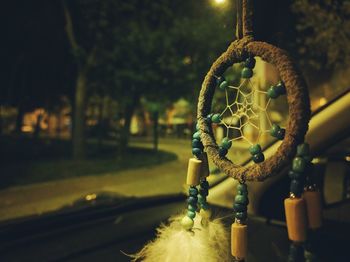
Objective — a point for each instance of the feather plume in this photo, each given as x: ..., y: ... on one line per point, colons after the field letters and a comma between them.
x: 208, y: 241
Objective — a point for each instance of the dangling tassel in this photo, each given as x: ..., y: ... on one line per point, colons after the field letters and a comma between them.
x: 239, y: 233
x: 194, y: 236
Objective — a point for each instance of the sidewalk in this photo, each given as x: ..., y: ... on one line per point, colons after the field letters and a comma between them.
x: 39, y: 198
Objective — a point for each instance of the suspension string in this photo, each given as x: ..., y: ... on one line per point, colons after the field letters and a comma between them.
x: 239, y: 27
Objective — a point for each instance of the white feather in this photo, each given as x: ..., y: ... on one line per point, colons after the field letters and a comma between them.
x: 206, y: 242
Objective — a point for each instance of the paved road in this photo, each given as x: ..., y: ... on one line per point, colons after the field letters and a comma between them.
x: 156, y: 180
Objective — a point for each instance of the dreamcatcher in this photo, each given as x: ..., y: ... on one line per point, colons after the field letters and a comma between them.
x: 196, y: 236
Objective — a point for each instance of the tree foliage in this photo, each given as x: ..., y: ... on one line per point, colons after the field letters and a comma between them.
x: 324, y: 27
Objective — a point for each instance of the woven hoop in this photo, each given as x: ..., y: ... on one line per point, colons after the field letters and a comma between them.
x: 297, y: 98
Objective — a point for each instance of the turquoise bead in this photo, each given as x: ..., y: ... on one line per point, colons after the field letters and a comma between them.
x: 281, y: 133
x: 196, y: 151
x: 241, y: 199
x: 219, y: 80
x: 280, y: 88
x: 274, y: 130
x: 226, y: 143
x: 303, y: 150
x: 193, y: 191
x: 197, y: 126
x: 223, y: 85
x: 216, y: 118
x: 247, y: 72
x: 205, y: 205
x: 258, y: 158
x: 250, y: 62
x: 191, y: 214
x: 192, y: 200
x: 272, y: 92
x: 242, y: 189
x: 197, y: 135
x: 196, y: 143
x: 203, y: 191
x: 187, y: 223
x: 299, y: 164
x: 204, y: 184
x: 201, y: 199
x: 241, y: 215
x: 294, y: 175
x: 208, y: 118
x: 255, y: 149
x: 192, y: 208
x: 239, y: 207
x: 222, y: 151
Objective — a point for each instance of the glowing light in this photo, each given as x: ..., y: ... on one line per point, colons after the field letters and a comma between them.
x: 27, y: 129
x: 322, y: 101
x: 90, y: 197
x: 219, y: 1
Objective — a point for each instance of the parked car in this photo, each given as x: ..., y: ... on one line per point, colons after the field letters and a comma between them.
x: 105, y: 227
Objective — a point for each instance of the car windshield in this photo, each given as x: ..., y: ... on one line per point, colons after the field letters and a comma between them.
x: 100, y: 97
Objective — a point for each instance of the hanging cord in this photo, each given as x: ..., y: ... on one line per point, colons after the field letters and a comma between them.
x: 244, y: 19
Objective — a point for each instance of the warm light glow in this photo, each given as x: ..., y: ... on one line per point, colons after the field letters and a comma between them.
x: 90, y: 197
x: 322, y: 101
x: 27, y: 129
x: 219, y: 1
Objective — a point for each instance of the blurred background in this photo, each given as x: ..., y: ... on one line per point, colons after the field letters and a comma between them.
x: 101, y: 95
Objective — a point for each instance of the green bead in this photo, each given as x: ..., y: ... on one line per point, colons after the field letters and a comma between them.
x: 204, y: 184
x: 192, y: 200
x: 296, y: 187
x: 294, y: 175
x: 242, y: 189
x: 197, y: 126
x: 241, y: 199
x: 258, y: 158
x: 216, y: 118
x: 205, y: 205
x: 274, y: 130
x: 226, y: 143
x: 191, y: 214
x: 250, y: 62
x: 255, y: 149
x: 187, y: 223
x: 299, y: 164
x: 201, y: 199
x: 197, y: 135
x: 281, y: 133
x: 223, y: 85
x: 280, y: 88
x: 196, y: 143
x: 203, y: 191
x: 239, y: 207
x: 208, y: 118
x: 192, y: 208
x: 246, y: 72
x: 222, y: 151
x: 303, y: 150
x: 196, y: 151
x: 219, y: 80
x: 193, y: 191
x: 241, y: 215
x: 272, y: 92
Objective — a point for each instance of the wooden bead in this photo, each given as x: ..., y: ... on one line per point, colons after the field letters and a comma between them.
x: 295, y: 210
x: 205, y: 172
x: 194, y: 171
x: 239, y: 240
x: 314, y: 208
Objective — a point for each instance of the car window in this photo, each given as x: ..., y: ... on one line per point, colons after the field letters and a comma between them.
x: 98, y: 98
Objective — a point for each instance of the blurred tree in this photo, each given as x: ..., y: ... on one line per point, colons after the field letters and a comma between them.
x: 324, y: 28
